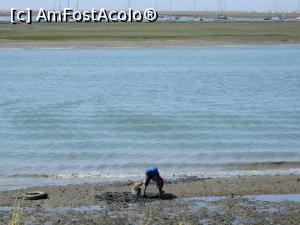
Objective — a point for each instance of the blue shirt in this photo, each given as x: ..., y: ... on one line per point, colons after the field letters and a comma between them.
x: 152, y: 171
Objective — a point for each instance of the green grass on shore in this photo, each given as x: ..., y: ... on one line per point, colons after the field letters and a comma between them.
x: 288, y: 32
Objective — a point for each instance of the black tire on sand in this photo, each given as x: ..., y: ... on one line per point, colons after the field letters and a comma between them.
x: 35, y: 195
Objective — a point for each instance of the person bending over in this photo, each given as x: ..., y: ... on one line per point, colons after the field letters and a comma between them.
x: 153, y: 174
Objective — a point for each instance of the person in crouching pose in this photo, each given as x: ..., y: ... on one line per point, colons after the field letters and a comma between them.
x: 152, y: 173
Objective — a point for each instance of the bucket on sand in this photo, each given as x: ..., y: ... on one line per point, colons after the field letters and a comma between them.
x: 136, y: 189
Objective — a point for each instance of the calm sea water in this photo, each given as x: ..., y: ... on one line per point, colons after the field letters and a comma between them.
x: 70, y: 115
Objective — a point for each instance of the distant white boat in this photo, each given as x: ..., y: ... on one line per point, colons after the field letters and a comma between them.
x: 278, y: 18
x: 298, y: 18
x: 222, y: 17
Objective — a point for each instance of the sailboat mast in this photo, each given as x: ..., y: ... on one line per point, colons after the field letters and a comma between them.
x: 156, y: 4
x: 54, y: 5
x: 129, y: 4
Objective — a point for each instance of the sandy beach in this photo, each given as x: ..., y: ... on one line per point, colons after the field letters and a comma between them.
x: 112, y: 203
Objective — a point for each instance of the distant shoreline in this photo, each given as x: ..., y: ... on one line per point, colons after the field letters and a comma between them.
x: 126, y: 44
x: 193, y: 13
x: 127, y: 35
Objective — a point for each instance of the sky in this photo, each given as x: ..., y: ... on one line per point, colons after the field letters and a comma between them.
x: 211, y: 5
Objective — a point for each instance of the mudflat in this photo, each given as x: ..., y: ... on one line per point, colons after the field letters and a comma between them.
x: 185, y: 202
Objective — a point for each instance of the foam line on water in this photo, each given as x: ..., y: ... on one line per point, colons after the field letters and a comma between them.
x: 166, y: 175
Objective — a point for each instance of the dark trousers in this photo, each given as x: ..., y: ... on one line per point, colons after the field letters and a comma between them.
x: 157, y: 180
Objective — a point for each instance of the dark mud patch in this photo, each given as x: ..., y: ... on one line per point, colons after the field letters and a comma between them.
x: 127, y: 197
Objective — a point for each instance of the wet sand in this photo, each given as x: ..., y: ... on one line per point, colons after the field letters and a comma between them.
x: 112, y: 203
